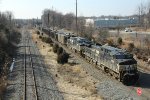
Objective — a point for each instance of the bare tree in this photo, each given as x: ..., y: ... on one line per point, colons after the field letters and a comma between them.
x: 52, y: 18
x: 141, y: 13
x: 68, y: 20
x: 148, y: 13
x: 147, y: 42
x: 102, y: 36
x: 81, y: 26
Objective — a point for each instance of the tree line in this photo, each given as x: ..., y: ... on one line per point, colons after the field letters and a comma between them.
x: 9, y: 37
x: 143, y: 12
x: 54, y: 19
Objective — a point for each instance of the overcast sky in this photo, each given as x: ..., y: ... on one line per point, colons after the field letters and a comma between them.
x: 34, y: 8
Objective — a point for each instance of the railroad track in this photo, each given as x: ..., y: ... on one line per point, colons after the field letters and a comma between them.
x: 30, y: 79
x: 28, y: 55
x: 47, y: 89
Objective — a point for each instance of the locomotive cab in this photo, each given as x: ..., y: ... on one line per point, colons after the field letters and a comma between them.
x: 128, y: 70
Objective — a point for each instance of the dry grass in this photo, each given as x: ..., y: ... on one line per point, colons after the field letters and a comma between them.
x: 77, y: 69
x: 74, y: 75
x: 70, y: 75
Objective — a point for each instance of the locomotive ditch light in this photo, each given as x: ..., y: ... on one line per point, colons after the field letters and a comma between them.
x: 139, y: 91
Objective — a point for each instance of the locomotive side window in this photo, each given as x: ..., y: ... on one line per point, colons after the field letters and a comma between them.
x: 124, y: 56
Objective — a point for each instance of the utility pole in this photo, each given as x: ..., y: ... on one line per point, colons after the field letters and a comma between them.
x: 48, y: 20
x: 37, y: 21
x: 76, y: 19
x: 10, y: 31
x: 53, y: 17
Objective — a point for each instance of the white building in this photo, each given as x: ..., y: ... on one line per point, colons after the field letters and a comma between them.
x: 89, y: 22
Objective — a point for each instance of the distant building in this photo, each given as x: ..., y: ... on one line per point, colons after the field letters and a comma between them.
x: 112, y: 23
x: 89, y: 22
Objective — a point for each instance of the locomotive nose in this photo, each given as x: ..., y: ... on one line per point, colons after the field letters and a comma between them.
x: 130, y: 79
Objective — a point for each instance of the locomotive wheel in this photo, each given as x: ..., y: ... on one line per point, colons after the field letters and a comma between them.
x: 106, y: 69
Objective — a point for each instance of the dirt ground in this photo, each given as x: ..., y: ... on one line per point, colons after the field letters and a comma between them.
x: 73, y: 82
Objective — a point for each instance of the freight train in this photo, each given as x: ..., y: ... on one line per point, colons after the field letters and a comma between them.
x: 117, y: 62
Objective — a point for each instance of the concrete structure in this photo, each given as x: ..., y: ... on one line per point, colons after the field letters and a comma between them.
x: 112, y: 23
x: 89, y: 22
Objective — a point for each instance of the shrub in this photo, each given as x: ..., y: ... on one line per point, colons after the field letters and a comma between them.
x: 43, y: 39
x: 38, y: 33
x: 65, y: 57
x: 59, y: 59
x: 130, y: 47
x: 51, y: 44
x: 55, y: 47
x: 145, y: 59
x: 110, y: 42
x: 47, y: 40
x: 119, y: 41
x: 59, y: 50
x: 40, y: 37
x: 62, y: 58
x: 139, y: 56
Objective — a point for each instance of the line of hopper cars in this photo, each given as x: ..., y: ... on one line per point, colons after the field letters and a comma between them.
x: 117, y: 62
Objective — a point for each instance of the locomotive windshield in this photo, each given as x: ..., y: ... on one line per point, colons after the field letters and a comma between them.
x: 80, y: 41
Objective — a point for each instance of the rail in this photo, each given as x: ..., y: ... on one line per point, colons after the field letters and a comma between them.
x: 25, y: 70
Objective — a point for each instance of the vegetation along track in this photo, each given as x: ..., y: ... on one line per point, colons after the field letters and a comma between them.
x: 47, y: 89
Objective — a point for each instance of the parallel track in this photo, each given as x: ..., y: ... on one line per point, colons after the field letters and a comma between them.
x: 25, y: 71
x: 44, y: 87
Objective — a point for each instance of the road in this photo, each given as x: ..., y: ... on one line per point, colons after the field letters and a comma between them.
x: 30, y: 79
x: 133, y: 35
x: 133, y: 32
